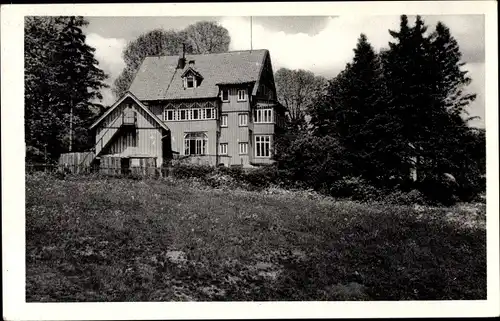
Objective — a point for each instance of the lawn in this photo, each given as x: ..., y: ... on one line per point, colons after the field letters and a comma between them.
x: 95, y: 239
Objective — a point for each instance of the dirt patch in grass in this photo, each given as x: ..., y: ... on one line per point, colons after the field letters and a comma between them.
x: 129, y: 240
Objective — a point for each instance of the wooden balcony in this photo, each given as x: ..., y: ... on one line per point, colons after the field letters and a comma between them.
x: 129, y: 119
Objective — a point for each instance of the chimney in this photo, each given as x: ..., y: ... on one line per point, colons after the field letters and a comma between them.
x: 182, y: 58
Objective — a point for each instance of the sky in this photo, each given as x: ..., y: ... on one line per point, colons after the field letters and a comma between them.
x: 321, y: 44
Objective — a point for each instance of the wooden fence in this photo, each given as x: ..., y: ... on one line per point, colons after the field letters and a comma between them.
x: 124, y: 166
x: 77, y: 162
x: 84, y: 163
x: 116, y: 171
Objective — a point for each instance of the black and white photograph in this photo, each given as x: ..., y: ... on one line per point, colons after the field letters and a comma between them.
x: 182, y: 153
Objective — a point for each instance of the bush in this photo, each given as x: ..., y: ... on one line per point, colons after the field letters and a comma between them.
x: 439, y: 189
x: 181, y: 170
x: 234, y: 172
x: 355, y: 188
x: 313, y: 161
x: 219, y: 180
x: 470, y: 187
x: 406, y: 198
x: 261, y: 177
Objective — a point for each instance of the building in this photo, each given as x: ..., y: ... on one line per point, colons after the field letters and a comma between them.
x: 210, y: 109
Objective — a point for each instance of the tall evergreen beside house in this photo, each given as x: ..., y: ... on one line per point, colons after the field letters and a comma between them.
x: 62, y: 83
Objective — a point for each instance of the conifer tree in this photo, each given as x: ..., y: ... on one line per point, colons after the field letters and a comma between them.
x: 61, y: 75
x: 354, y: 111
x: 410, y: 80
x: 80, y: 80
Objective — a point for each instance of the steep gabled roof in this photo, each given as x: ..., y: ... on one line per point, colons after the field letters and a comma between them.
x: 190, y: 70
x: 158, y: 78
x: 138, y: 102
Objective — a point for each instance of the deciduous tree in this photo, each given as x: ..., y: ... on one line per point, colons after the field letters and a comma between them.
x: 297, y: 90
x: 155, y: 42
x: 200, y: 38
x: 207, y: 37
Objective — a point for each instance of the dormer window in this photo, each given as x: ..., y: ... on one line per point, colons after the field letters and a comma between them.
x: 191, y: 78
x: 190, y: 82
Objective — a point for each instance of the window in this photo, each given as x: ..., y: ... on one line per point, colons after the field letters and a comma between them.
x: 242, y: 95
x: 188, y: 114
x: 223, y: 121
x: 209, y: 113
x: 243, y: 119
x: 190, y: 82
x: 263, y: 116
x: 223, y: 149
x: 196, y: 114
x: 262, y: 146
x: 195, y: 144
x: 243, y: 148
x: 168, y: 114
x: 225, y: 95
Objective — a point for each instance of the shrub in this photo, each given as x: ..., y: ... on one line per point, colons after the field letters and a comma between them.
x: 181, y: 170
x: 470, y: 186
x: 406, y: 198
x: 218, y: 180
x: 438, y: 189
x: 261, y: 177
x: 355, y: 188
x: 314, y: 161
x: 234, y: 172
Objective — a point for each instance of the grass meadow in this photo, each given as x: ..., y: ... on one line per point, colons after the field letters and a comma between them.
x: 97, y: 239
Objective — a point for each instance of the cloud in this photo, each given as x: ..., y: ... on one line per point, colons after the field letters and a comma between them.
x: 327, y: 51
x: 109, y: 54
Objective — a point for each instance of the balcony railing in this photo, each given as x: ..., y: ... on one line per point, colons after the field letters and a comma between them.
x: 129, y: 119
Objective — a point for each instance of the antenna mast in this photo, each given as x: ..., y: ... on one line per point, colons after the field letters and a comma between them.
x: 251, y: 45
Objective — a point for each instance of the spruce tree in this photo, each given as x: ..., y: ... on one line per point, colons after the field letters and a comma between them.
x: 410, y: 80
x: 458, y: 147
x: 363, y: 125
x: 353, y: 110
x: 80, y: 79
x: 61, y: 74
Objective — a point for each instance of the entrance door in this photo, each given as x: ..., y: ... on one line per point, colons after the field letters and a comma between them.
x: 125, y: 165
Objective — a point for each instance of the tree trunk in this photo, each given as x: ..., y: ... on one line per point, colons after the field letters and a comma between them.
x: 71, y: 128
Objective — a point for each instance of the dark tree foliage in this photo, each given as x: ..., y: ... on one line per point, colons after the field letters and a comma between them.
x: 409, y: 79
x: 62, y: 77
x: 353, y: 110
x: 313, y: 162
x: 405, y: 109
